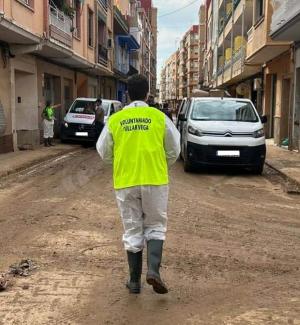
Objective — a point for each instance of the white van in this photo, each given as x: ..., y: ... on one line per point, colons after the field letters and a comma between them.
x: 79, y: 122
x: 222, y: 132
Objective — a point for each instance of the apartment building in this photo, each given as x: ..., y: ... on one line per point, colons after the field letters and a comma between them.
x: 201, y: 45
x: 148, y: 54
x: 181, y: 73
x: 192, y: 59
x: 241, y: 57
x: 188, y: 57
x: 58, y: 50
x: 285, y: 27
x: 125, y: 43
x: 171, y: 73
x: 182, y: 70
x: 162, y: 85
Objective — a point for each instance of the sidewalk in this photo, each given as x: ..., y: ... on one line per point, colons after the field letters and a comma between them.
x: 286, y: 162
x: 15, y: 161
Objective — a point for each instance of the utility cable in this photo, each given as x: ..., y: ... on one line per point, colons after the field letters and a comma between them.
x: 174, y: 11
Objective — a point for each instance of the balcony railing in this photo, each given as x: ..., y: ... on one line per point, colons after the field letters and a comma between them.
x: 103, y: 4
x: 236, y: 3
x: 59, y: 20
x: 122, y: 67
x: 102, y: 55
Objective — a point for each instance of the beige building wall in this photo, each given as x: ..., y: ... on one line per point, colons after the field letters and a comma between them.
x: 31, y: 19
x: 80, y: 44
x: 277, y: 99
x: 6, y: 141
x: 19, y: 97
x: 123, y: 6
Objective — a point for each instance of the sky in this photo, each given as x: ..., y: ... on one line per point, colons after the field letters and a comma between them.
x: 171, y: 28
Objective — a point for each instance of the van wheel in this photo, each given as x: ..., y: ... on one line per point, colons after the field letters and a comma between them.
x: 188, y: 167
x: 258, y: 170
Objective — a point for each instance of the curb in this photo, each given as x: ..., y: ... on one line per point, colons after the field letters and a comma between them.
x: 291, y: 180
x: 37, y: 161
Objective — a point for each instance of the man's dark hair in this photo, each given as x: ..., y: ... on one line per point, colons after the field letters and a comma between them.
x: 166, y: 106
x: 99, y: 100
x: 138, y: 87
x: 48, y: 103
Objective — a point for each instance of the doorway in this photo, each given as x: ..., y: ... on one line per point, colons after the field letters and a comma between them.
x: 52, y: 92
x: 68, y: 95
x: 285, y: 109
x: 296, y: 117
x: 26, y: 109
x: 273, y: 105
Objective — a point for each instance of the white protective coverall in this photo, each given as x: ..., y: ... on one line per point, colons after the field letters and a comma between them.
x: 48, y: 129
x: 143, y: 208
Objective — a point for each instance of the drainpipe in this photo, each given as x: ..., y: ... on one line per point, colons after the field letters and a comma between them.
x: 46, y: 19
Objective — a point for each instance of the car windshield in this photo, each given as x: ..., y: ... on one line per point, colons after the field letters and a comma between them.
x: 87, y: 107
x: 83, y: 107
x: 222, y: 110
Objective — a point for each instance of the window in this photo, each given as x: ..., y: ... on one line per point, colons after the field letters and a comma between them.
x: 259, y: 10
x: 77, y: 18
x: 29, y: 3
x: 90, y: 28
x: 216, y: 110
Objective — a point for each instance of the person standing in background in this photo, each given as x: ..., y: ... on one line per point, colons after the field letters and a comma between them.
x: 48, y: 116
x: 99, y: 117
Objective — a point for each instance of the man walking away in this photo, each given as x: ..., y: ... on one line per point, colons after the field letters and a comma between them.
x: 99, y: 117
x: 141, y: 142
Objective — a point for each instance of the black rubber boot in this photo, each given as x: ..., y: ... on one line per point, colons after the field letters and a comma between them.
x: 135, y: 262
x: 46, y: 143
x: 154, y: 255
x: 51, y: 144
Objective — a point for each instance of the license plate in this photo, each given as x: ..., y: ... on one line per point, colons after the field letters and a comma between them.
x: 82, y: 134
x: 228, y: 153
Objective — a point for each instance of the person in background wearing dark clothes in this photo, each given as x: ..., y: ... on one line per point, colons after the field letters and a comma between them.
x: 99, y: 117
x: 167, y: 111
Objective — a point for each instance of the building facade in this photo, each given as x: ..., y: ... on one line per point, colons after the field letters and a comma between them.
x: 58, y: 50
x: 285, y: 27
x: 241, y: 57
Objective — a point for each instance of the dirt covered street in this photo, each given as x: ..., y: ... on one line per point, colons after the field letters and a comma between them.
x: 231, y: 257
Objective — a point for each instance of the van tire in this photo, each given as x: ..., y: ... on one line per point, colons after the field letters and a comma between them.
x: 258, y: 170
x: 187, y: 165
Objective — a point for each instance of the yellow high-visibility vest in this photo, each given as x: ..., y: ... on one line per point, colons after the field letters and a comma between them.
x: 139, y: 156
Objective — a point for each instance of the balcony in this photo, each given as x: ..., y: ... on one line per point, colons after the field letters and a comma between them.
x: 102, y: 55
x: 120, y: 22
x: 60, y: 26
x: 122, y: 67
x: 236, y: 3
x: 260, y: 47
x: 103, y: 4
x: 286, y: 20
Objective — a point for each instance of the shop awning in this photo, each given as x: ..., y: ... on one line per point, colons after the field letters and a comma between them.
x: 131, y: 42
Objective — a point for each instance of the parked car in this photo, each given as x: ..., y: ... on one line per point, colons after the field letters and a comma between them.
x: 221, y: 132
x: 79, y: 121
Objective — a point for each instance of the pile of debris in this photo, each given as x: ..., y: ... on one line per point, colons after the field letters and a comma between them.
x: 24, y: 269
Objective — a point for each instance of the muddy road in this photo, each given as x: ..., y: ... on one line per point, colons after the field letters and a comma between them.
x: 231, y: 257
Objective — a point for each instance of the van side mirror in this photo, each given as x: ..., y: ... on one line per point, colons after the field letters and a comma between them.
x: 264, y: 119
x: 181, y: 117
